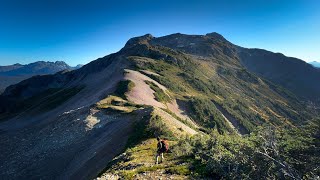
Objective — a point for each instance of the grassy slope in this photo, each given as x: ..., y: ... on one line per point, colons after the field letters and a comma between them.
x: 214, y: 155
x: 116, y: 104
x: 249, y: 99
x: 138, y: 162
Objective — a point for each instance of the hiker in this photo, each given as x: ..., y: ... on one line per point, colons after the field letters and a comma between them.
x: 162, y: 147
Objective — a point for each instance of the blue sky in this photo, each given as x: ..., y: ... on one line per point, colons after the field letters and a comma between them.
x: 79, y: 31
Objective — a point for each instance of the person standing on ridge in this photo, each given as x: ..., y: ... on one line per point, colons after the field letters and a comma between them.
x: 162, y: 147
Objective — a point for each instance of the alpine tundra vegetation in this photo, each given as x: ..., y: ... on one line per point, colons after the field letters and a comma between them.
x: 224, y: 112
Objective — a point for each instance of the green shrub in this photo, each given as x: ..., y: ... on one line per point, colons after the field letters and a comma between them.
x: 127, y: 175
x: 264, y: 154
x: 149, y: 127
x: 170, y: 83
x: 156, y: 127
x: 159, y: 94
x: 179, y: 169
x: 183, y: 148
x: 123, y: 87
x: 207, y: 115
x: 196, y: 83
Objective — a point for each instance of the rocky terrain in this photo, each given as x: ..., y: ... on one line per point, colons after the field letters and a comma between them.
x: 74, y: 124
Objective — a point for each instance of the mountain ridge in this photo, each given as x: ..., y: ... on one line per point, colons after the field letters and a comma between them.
x: 254, y: 59
x: 315, y: 64
x: 15, y: 73
x: 38, y: 67
x: 154, y: 82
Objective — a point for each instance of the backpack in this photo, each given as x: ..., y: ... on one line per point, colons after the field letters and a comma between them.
x: 164, y: 146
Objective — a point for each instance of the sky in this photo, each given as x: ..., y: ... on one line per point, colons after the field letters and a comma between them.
x: 79, y: 31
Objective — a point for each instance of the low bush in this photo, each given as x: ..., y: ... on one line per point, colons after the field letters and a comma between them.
x: 156, y: 127
x: 264, y: 154
x: 179, y: 169
x: 123, y: 87
x: 149, y: 127
x: 207, y: 115
x: 159, y: 94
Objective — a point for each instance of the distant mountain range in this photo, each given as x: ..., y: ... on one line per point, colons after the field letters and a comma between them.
x: 315, y: 64
x: 15, y: 73
x: 71, y: 124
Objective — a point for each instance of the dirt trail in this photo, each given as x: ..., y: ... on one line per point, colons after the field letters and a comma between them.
x: 141, y: 93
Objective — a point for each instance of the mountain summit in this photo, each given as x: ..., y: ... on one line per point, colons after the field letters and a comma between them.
x: 69, y: 125
x: 291, y: 73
